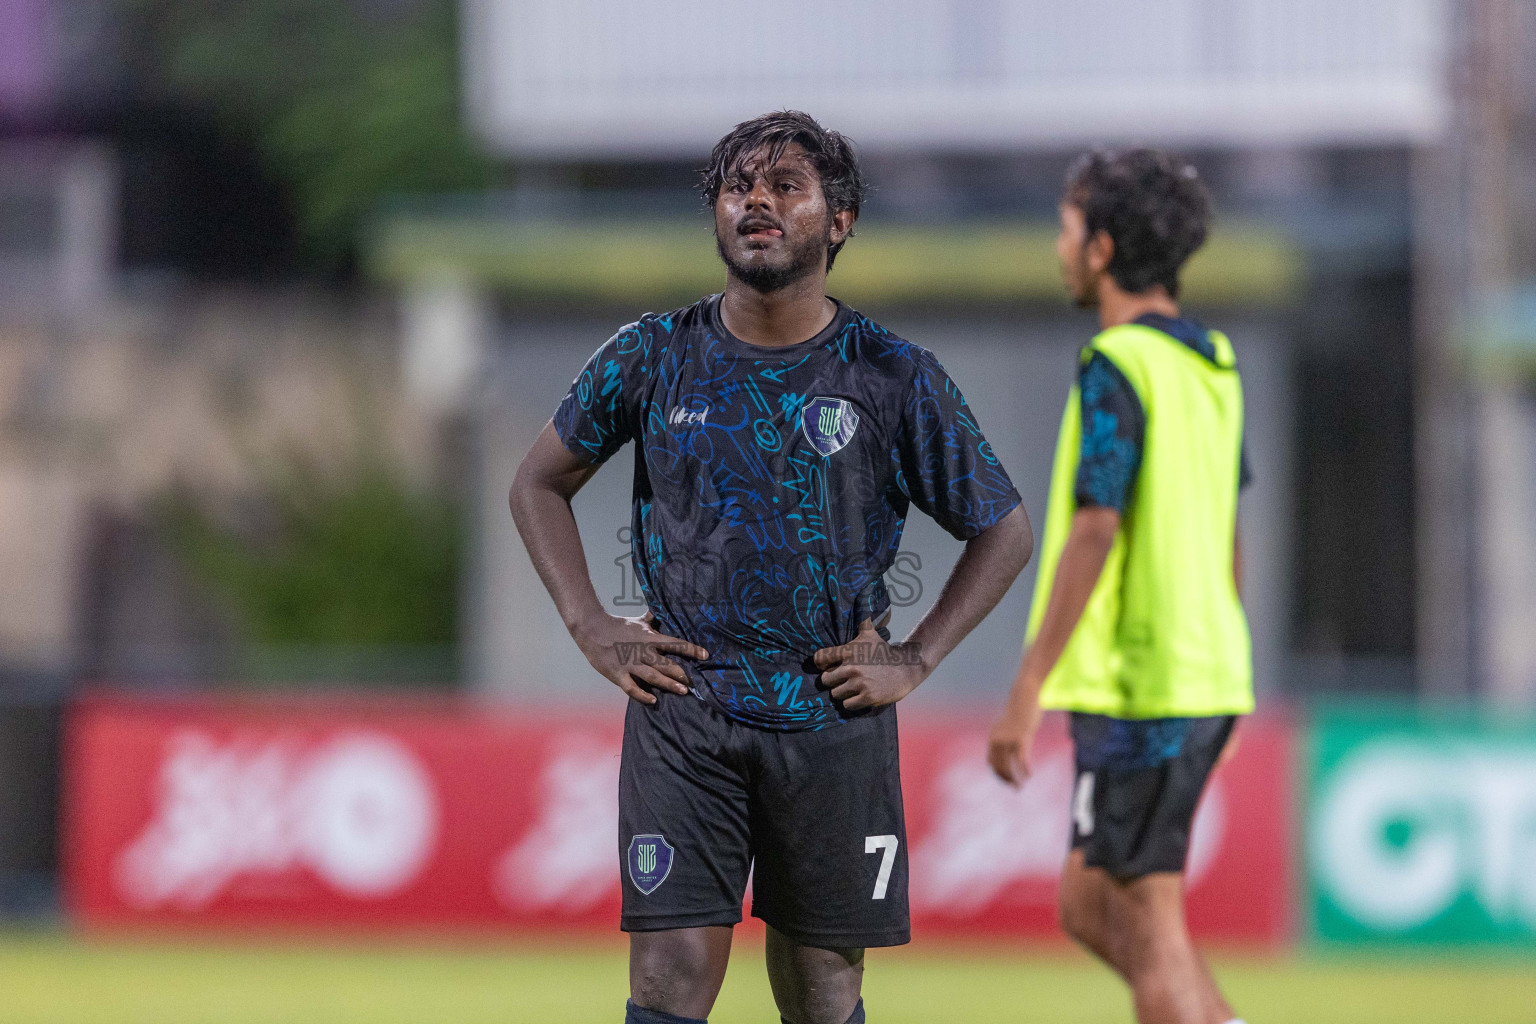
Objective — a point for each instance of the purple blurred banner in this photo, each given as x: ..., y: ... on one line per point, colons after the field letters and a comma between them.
x: 25, y: 30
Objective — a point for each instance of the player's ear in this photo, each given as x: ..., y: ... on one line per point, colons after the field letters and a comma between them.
x: 842, y: 225
x: 1100, y: 251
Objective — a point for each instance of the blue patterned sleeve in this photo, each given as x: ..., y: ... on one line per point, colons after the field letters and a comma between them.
x: 945, y: 464
x: 1113, y: 429
x: 600, y: 412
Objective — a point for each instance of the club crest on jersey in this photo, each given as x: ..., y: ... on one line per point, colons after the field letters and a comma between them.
x: 650, y: 862
x: 828, y: 423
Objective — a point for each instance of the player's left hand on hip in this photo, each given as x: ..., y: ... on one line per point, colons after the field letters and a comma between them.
x: 867, y: 671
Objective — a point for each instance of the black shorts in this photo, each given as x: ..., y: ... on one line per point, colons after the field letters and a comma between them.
x: 1138, y: 783
x: 816, y: 817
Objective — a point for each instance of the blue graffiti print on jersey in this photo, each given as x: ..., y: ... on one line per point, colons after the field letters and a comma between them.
x: 771, y: 487
x: 1112, y: 430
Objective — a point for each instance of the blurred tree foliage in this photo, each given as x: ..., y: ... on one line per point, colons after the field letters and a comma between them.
x: 349, y: 100
x: 360, y: 561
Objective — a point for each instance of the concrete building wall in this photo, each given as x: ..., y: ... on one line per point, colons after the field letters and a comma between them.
x: 107, y: 411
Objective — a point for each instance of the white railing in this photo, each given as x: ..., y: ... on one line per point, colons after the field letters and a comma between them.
x: 635, y: 77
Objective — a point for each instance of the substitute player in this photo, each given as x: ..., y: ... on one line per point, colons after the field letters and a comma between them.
x: 1137, y: 628
x: 780, y: 438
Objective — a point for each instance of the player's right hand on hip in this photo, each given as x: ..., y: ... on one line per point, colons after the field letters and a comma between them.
x: 635, y: 657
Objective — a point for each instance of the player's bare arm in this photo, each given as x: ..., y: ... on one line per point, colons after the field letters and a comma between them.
x: 1082, y: 561
x: 546, y: 481
x: 987, y: 567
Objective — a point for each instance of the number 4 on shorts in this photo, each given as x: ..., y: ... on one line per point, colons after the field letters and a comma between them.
x: 885, y: 845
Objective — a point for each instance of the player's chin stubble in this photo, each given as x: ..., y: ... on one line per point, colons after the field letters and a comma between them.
x: 800, y: 263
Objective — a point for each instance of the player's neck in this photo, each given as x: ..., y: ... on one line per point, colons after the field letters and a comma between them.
x: 795, y: 313
x: 1117, y: 306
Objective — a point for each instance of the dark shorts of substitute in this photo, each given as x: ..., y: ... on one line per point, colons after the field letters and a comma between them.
x: 1138, y: 784
x: 815, y: 816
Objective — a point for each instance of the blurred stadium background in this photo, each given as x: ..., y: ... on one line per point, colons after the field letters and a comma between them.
x: 288, y: 728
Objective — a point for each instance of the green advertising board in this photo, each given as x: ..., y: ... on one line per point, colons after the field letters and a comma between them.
x: 1422, y: 829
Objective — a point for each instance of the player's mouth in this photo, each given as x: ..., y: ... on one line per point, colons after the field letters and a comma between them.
x: 758, y: 230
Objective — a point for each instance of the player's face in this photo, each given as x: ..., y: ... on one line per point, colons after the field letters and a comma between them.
x: 772, y: 223
x: 1072, y: 253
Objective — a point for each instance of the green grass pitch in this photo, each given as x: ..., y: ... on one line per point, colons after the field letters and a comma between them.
x: 60, y: 979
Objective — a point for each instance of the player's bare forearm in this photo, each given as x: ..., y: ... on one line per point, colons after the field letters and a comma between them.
x: 1077, y: 573
x: 546, y: 481
x: 986, y: 568
x: 1082, y: 561
x: 628, y: 652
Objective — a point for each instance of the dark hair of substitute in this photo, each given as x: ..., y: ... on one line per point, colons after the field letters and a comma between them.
x: 842, y: 183
x: 1153, y: 206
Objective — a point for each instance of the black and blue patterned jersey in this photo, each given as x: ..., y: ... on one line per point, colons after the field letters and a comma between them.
x: 1114, y: 423
x: 771, y: 486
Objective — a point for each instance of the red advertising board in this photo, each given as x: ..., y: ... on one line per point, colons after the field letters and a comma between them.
x: 985, y: 858
x: 376, y: 814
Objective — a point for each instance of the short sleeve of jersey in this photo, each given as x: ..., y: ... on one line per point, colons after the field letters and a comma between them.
x: 1114, y: 430
x: 601, y: 411
x: 1114, y: 427
x: 947, y: 466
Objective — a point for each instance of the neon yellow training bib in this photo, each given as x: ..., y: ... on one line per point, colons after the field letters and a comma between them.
x: 1164, y: 634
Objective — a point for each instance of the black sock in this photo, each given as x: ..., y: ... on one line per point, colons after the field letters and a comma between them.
x: 856, y: 1018
x: 640, y: 1015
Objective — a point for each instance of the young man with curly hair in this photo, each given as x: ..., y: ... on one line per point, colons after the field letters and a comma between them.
x: 780, y: 438
x: 1137, y: 628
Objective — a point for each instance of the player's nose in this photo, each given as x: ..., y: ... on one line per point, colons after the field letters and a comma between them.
x: 761, y: 196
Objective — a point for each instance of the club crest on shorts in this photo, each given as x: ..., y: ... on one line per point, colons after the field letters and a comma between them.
x: 828, y: 423
x: 650, y: 861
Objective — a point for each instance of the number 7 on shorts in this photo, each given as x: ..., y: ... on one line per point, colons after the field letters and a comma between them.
x: 885, y: 845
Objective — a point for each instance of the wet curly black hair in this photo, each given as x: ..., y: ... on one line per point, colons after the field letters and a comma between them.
x: 842, y: 183
x: 1153, y: 206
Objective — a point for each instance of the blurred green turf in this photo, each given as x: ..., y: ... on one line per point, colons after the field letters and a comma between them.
x: 64, y: 980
